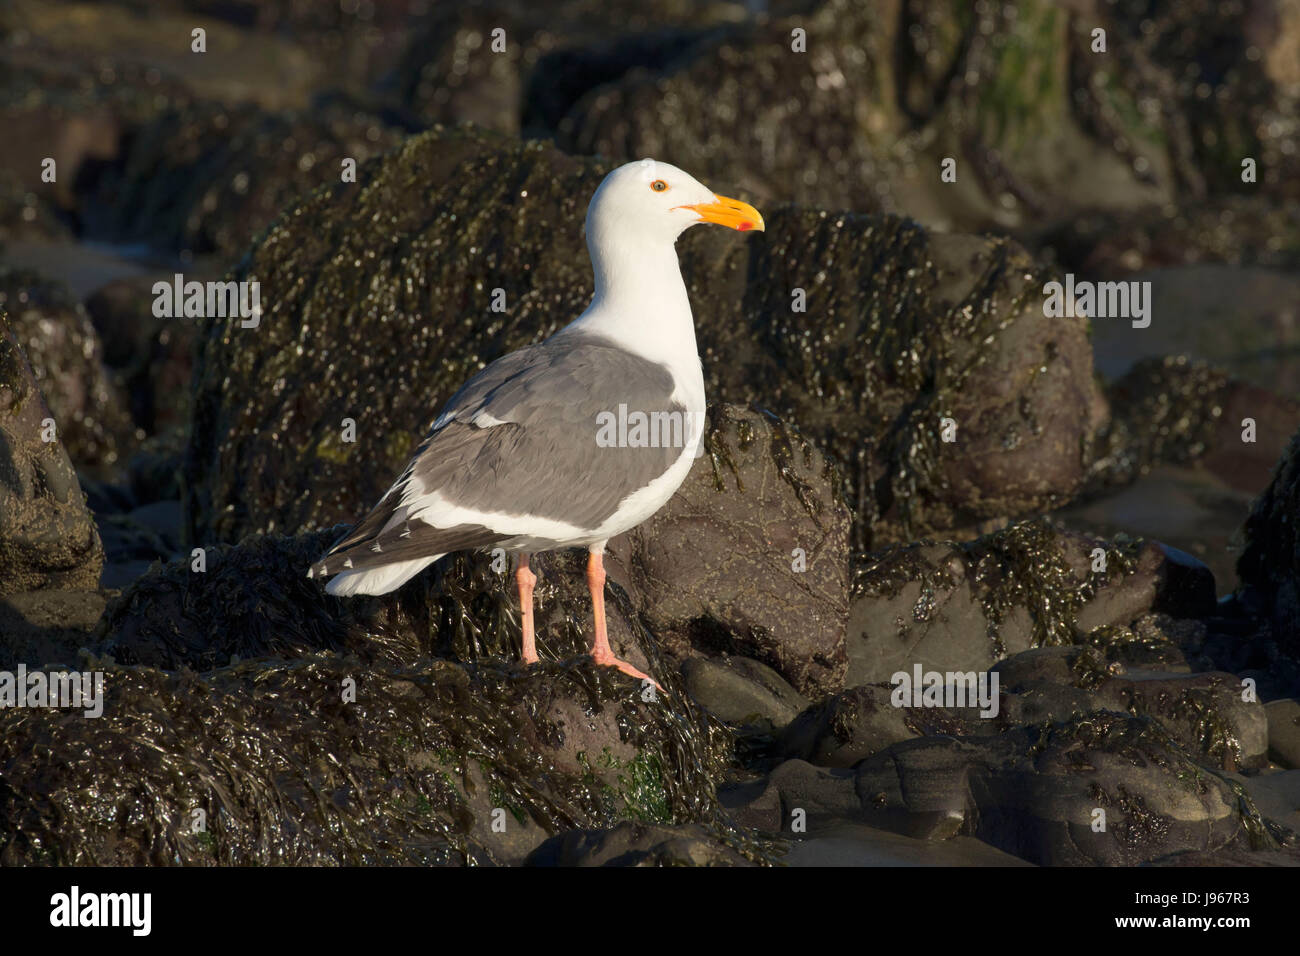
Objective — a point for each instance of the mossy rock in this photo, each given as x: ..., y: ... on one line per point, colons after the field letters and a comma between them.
x: 391, y: 280
x: 66, y: 355
x: 47, y: 536
x: 328, y: 760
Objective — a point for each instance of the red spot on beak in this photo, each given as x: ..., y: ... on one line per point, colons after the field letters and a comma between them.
x: 745, y: 226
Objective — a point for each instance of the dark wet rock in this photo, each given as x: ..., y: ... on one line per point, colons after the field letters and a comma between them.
x: 151, y: 356
x: 135, y: 539
x: 741, y: 690
x: 125, y: 539
x: 67, y: 357
x: 1175, y: 411
x: 1231, y: 856
x: 450, y: 73
x: 856, y: 845
x: 1204, y: 713
x: 961, y: 607
x: 750, y: 556
x: 47, y: 537
x: 1231, y: 231
x: 1284, y: 731
x: 1031, y: 792
x: 1186, y: 507
x: 47, y: 627
x: 154, y: 469
x: 955, y: 327
x: 957, y: 341
x: 207, y: 178
x: 1041, y: 127
x: 846, y: 728
x: 110, y: 46
x: 638, y: 844
x: 328, y: 760
x: 1276, y: 794
x: 1270, y: 565
x: 25, y: 215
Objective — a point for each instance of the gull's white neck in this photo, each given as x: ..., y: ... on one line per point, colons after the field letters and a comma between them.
x: 641, y: 304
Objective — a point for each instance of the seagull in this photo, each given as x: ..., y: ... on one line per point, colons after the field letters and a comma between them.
x: 571, y: 441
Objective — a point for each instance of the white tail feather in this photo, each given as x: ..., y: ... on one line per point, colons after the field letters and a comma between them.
x: 380, y: 580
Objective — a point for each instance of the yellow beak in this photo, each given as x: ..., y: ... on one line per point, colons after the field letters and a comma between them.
x: 729, y: 212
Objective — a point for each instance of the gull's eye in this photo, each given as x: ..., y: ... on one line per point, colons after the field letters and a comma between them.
x: 658, y: 185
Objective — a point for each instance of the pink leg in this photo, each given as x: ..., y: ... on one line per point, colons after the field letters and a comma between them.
x: 600, y: 648
x: 526, y: 580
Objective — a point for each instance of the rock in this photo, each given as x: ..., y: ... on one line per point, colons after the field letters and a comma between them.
x: 961, y: 351
x: 1173, y: 411
x: 1203, y: 712
x: 1231, y: 857
x: 1284, y: 731
x: 871, y: 110
x: 451, y: 73
x: 638, y: 844
x: 47, y: 627
x: 153, y: 357
x: 1277, y: 795
x: 47, y: 538
x: 962, y: 607
x: 855, y: 845
x: 956, y: 328
x: 91, y: 40
x: 1242, y: 319
x: 1031, y: 792
x: 741, y: 690
x: 163, y: 518
x: 155, y: 468
x: 331, y: 761
x: 846, y: 728
x: 750, y: 556
x: 66, y: 357
x: 1185, y: 507
x: 207, y: 178
x: 1270, y: 564
x: 25, y: 216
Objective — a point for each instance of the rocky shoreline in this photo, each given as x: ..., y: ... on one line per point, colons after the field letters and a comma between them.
x: 914, y: 470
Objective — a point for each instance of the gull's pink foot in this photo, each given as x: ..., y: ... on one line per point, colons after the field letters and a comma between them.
x: 600, y: 649
x: 608, y: 659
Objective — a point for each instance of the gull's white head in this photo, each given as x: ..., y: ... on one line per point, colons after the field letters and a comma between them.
x: 656, y: 201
